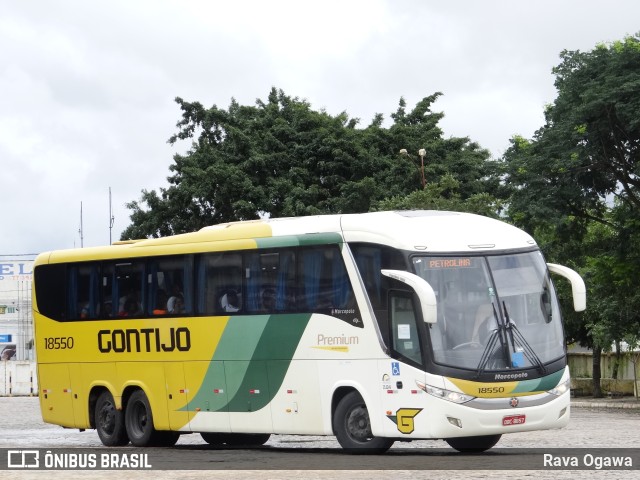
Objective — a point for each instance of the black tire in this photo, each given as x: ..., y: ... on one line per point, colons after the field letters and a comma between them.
x: 236, y: 439
x: 352, y: 427
x: 109, y: 422
x: 473, y: 444
x: 138, y: 420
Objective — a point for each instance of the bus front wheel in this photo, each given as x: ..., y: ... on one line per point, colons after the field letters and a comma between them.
x: 109, y: 422
x: 138, y: 420
x: 473, y: 444
x: 352, y: 427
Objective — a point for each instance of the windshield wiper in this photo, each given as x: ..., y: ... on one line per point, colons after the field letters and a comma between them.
x: 507, y: 332
x: 515, y: 335
x: 496, y: 335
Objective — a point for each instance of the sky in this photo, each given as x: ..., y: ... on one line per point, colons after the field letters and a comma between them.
x: 88, y: 88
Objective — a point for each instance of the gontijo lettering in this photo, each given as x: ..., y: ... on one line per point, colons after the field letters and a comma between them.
x: 144, y: 340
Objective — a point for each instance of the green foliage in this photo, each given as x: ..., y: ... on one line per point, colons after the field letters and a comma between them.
x: 444, y: 194
x: 281, y: 158
x: 574, y: 186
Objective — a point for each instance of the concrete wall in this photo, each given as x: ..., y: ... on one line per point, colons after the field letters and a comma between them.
x: 581, y: 365
x: 18, y: 378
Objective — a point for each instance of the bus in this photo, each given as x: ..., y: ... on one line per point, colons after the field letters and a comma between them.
x: 374, y: 328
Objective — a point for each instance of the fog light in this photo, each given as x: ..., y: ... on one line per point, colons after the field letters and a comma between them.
x: 456, y: 422
x: 562, y: 412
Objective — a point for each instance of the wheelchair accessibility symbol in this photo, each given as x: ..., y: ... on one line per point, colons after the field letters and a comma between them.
x: 395, y: 368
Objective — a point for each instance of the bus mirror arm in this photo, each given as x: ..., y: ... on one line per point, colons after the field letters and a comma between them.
x: 578, y: 289
x: 423, y: 290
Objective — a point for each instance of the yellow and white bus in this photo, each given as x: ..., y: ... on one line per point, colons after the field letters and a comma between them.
x: 371, y: 327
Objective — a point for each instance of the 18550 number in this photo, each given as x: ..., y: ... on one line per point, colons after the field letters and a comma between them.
x: 58, y: 343
x: 486, y: 390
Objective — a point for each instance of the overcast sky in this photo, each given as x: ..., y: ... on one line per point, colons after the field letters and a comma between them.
x: 87, y: 88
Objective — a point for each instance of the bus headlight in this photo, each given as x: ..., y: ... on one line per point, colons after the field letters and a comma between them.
x: 561, y: 388
x: 450, y: 396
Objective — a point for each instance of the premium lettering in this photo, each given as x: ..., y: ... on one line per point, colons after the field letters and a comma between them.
x: 144, y: 340
x: 339, y: 340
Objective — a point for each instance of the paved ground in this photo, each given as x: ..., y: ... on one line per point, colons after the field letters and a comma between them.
x: 606, y: 402
x: 596, y: 423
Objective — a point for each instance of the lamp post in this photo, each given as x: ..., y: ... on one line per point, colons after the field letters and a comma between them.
x: 421, y: 153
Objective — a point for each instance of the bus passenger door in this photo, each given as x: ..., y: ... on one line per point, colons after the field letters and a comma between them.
x: 401, y: 398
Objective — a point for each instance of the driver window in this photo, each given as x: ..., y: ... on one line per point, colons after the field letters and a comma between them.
x: 404, y: 330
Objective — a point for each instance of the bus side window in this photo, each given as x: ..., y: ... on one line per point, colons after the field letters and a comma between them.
x: 271, y: 281
x: 82, y: 300
x: 219, y: 284
x: 107, y: 291
x: 324, y: 284
x: 404, y: 328
x: 51, y: 290
x: 130, y: 289
x: 168, y: 285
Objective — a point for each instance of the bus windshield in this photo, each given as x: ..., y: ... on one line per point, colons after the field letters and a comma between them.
x: 496, y: 312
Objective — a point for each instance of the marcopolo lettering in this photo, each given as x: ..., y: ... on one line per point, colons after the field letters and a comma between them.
x: 144, y: 340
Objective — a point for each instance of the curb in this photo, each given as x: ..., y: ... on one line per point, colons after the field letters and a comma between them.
x: 606, y: 404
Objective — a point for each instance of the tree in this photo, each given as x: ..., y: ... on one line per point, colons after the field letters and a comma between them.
x: 575, y: 185
x: 445, y: 194
x: 282, y: 158
x: 589, y: 148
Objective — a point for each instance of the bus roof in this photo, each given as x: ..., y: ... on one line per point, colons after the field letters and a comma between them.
x: 415, y: 230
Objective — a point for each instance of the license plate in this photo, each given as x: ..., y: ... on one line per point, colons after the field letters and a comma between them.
x: 513, y: 420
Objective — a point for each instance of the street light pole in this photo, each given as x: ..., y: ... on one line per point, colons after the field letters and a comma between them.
x: 421, y: 153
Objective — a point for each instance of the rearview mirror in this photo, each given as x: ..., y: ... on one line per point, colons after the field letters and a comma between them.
x: 578, y: 290
x: 425, y: 293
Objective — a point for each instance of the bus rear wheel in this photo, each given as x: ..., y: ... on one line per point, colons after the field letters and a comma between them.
x: 352, y: 427
x: 473, y: 444
x: 109, y: 422
x: 138, y: 420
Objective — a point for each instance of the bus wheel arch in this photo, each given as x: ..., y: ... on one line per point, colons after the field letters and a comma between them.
x: 106, y: 418
x: 138, y: 419
x: 352, y: 425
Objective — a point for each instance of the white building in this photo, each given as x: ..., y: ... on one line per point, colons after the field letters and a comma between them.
x: 16, y: 319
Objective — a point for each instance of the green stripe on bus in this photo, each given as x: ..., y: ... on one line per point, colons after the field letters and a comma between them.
x: 539, y: 384
x: 251, y: 362
x: 299, y: 240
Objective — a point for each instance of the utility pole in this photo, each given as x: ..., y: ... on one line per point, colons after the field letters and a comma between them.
x: 81, y: 230
x: 111, y: 217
